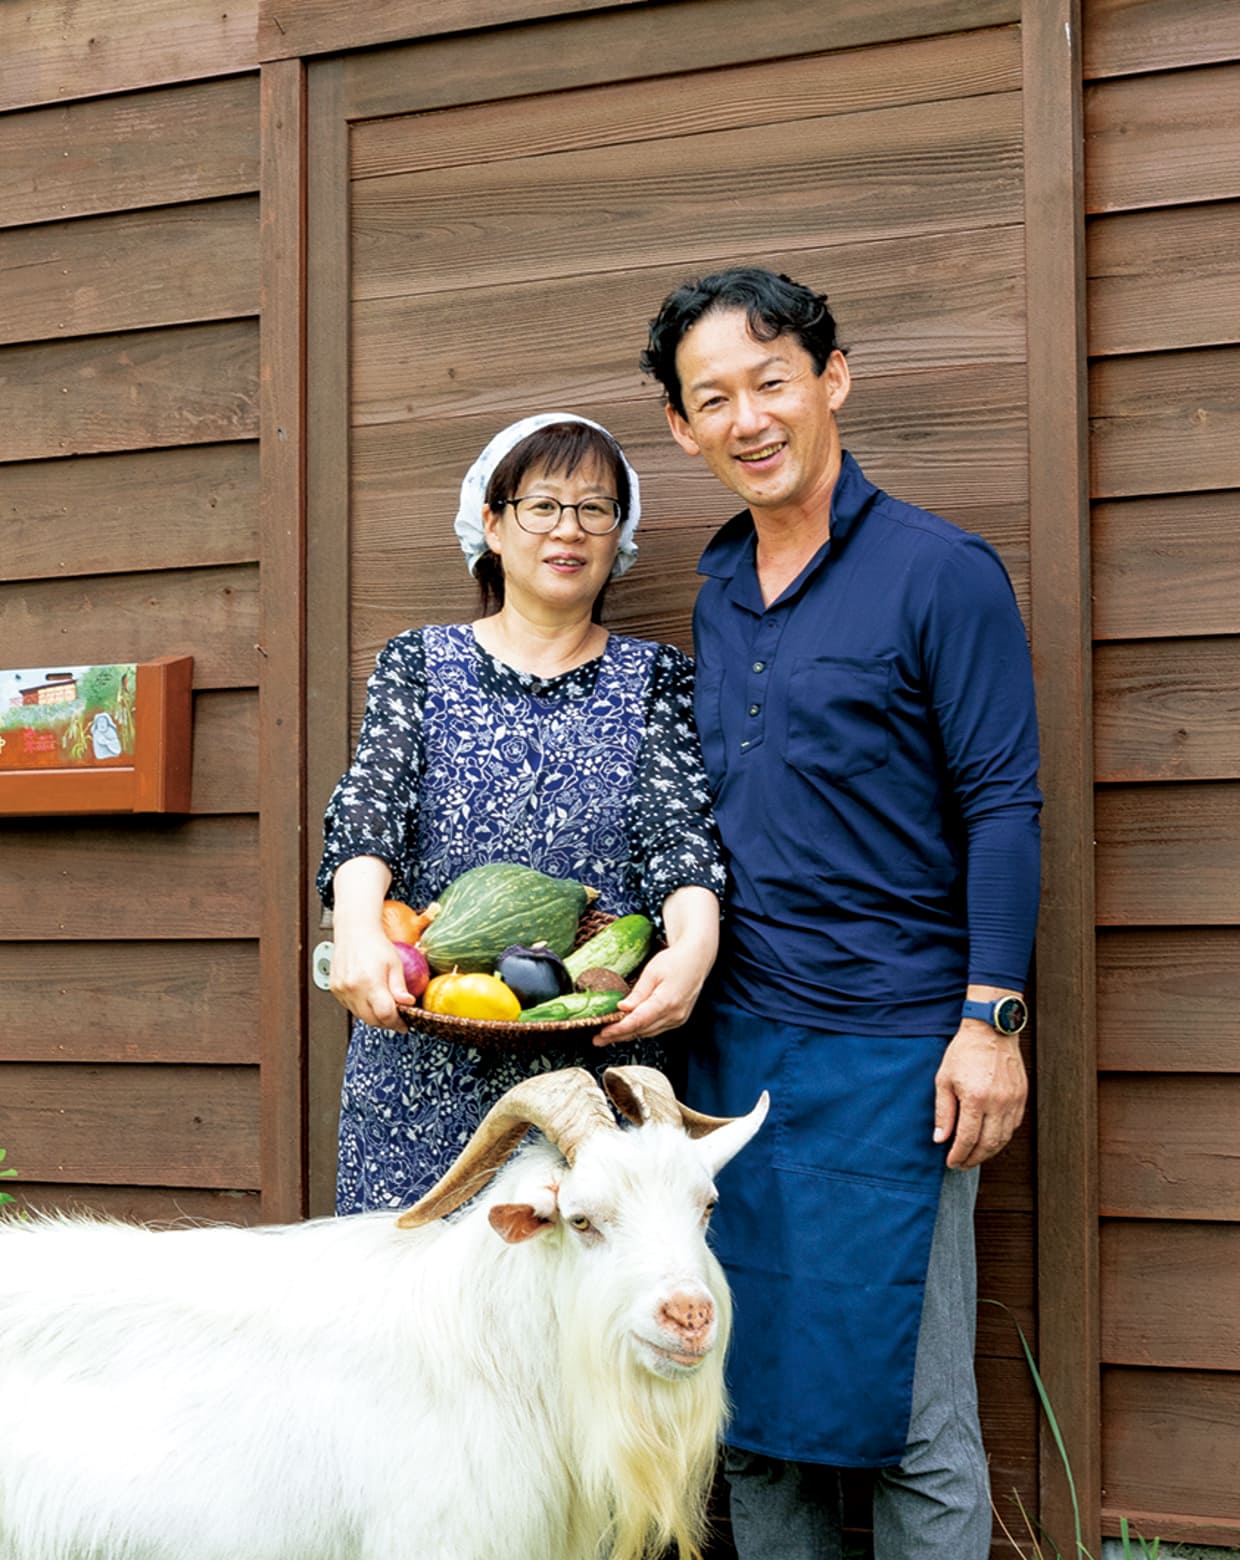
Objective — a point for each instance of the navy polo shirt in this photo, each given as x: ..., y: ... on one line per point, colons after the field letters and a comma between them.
x: 871, y: 743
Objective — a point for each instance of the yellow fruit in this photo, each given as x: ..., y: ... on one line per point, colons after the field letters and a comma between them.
x: 471, y: 996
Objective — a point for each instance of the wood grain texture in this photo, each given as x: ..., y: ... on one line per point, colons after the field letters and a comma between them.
x: 157, y: 1002
x: 311, y: 27
x: 226, y: 746
x: 147, y: 510
x: 1167, y: 999
x: 282, y: 634
x: 886, y: 172
x: 1166, y: 422
x: 627, y: 113
x: 210, y: 614
x: 64, y: 49
x: 1169, y: 1452
x: 1148, y: 1268
x: 143, y: 149
x: 181, y: 880
x: 1167, y: 709
x: 1006, y: 1283
x: 163, y: 1208
x: 1009, y: 1414
x: 1166, y: 139
x: 1167, y: 1146
x: 131, y: 1124
x: 1127, y: 36
x: 1168, y: 855
x: 193, y: 384
x: 171, y: 266
x: 1164, y: 279
x: 1167, y: 566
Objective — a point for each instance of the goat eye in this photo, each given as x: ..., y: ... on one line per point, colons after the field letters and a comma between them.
x: 707, y: 1211
x: 580, y: 1222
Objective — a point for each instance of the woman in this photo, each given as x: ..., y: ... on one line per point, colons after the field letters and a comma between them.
x: 530, y: 735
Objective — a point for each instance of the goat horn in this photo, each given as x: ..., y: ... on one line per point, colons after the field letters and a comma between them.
x: 566, y: 1106
x: 643, y: 1094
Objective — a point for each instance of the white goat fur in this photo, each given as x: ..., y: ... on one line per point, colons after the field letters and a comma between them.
x: 344, y: 1390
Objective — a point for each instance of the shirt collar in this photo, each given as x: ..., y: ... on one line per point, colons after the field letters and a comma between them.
x: 733, y: 544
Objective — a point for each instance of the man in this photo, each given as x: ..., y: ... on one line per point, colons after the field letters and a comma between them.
x: 865, y: 703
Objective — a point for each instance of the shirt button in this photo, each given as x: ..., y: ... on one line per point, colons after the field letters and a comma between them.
x: 744, y: 745
x: 754, y: 708
x: 759, y: 666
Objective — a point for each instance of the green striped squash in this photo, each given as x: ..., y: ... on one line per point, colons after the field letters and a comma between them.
x: 489, y: 908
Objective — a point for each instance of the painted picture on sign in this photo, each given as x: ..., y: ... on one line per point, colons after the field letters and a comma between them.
x: 67, y: 717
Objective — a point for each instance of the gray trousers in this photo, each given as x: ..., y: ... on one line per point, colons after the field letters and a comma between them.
x: 936, y: 1504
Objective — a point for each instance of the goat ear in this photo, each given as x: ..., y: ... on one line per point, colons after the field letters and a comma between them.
x: 725, y: 1142
x: 515, y: 1222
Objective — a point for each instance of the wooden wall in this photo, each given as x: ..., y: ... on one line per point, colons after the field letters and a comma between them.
x: 129, y: 529
x: 1162, y: 159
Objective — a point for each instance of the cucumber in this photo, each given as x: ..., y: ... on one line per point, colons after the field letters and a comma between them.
x: 620, y: 947
x: 577, y: 1004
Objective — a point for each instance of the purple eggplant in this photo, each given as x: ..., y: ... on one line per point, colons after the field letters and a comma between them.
x: 536, y: 974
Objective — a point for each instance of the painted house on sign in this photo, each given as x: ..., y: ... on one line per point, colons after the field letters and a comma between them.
x: 271, y: 275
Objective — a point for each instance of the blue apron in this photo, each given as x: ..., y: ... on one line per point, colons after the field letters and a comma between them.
x: 823, y: 1226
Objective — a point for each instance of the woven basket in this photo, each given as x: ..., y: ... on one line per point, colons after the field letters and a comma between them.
x: 512, y: 1035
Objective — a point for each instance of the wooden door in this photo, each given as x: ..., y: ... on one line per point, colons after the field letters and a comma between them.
x: 492, y: 221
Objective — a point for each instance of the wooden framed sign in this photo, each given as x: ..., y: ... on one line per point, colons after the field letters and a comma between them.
x: 96, y: 739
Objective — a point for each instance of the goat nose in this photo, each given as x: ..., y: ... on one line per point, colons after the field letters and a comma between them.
x: 689, y: 1315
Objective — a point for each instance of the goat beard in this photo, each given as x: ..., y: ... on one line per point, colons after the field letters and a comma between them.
x: 644, y: 1446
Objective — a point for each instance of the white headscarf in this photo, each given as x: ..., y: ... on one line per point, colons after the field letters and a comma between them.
x: 468, y: 525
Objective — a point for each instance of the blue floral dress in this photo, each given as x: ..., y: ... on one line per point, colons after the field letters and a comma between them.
x: 594, y: 775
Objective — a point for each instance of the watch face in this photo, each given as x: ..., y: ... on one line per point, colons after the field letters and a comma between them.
x: 1011, y: 1015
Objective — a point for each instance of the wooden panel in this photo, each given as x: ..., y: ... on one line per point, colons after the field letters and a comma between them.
x: 1165, y: 423
x: 1009, y: 1413
x: 62, y: 49
x: 890, y: 171
x: 628, y: 113
x: 148, y: 149
x: 172, y: 1208
x: 1007, y: 1181
x: 1006, y: 1284
x: 1148, y: 1271
x: 225, y: 778
x: 211, y: 614
x: 154, y: 1126
x: 925, y: 302
x: 1162, y: 140
x: 1169, y: 1453
x: 104, y: 514
x: 1167, y: 566
x: 1168, y: 1146
x: 1167, y: 999
x: 129, y: 1002
x: 1167, y: 709
x: 1164, y: 279
x: 1169, y: 855
x: 1142, y: 35
x: 163, y: 880
x: 280, y: 735
x: 195, y: 384
x: 326, y: 26
x: 170, y: 266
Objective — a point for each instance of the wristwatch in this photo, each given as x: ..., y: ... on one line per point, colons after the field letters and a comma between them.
x: 1008, y: 1015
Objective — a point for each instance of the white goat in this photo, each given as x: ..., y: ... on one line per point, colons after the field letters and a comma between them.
x: 350, y: 1390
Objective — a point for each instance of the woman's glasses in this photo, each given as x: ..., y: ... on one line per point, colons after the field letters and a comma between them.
x: 539, y: 515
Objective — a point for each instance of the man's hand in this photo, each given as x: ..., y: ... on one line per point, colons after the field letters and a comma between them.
x: 979, y: 1093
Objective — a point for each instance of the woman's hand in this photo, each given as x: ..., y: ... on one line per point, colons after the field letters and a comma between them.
x: 367, y: 976
x: 668, y: 986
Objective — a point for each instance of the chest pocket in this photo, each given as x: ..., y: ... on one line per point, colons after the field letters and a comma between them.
x: 838, y: 716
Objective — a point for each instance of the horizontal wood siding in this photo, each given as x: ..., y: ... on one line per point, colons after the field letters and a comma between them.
x: 128, y: 531
x: 1163, y: 180
x: 62, y: 49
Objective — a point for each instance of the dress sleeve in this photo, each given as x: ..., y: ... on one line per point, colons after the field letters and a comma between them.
x: 982, y: 688
x: 373, y: 809
x: 672, y: 831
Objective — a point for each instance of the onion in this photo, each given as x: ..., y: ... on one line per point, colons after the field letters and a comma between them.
x: 417, y: 971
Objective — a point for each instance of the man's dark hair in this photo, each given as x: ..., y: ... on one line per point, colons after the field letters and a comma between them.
x: 556, y: 449
x: 774, y: 303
